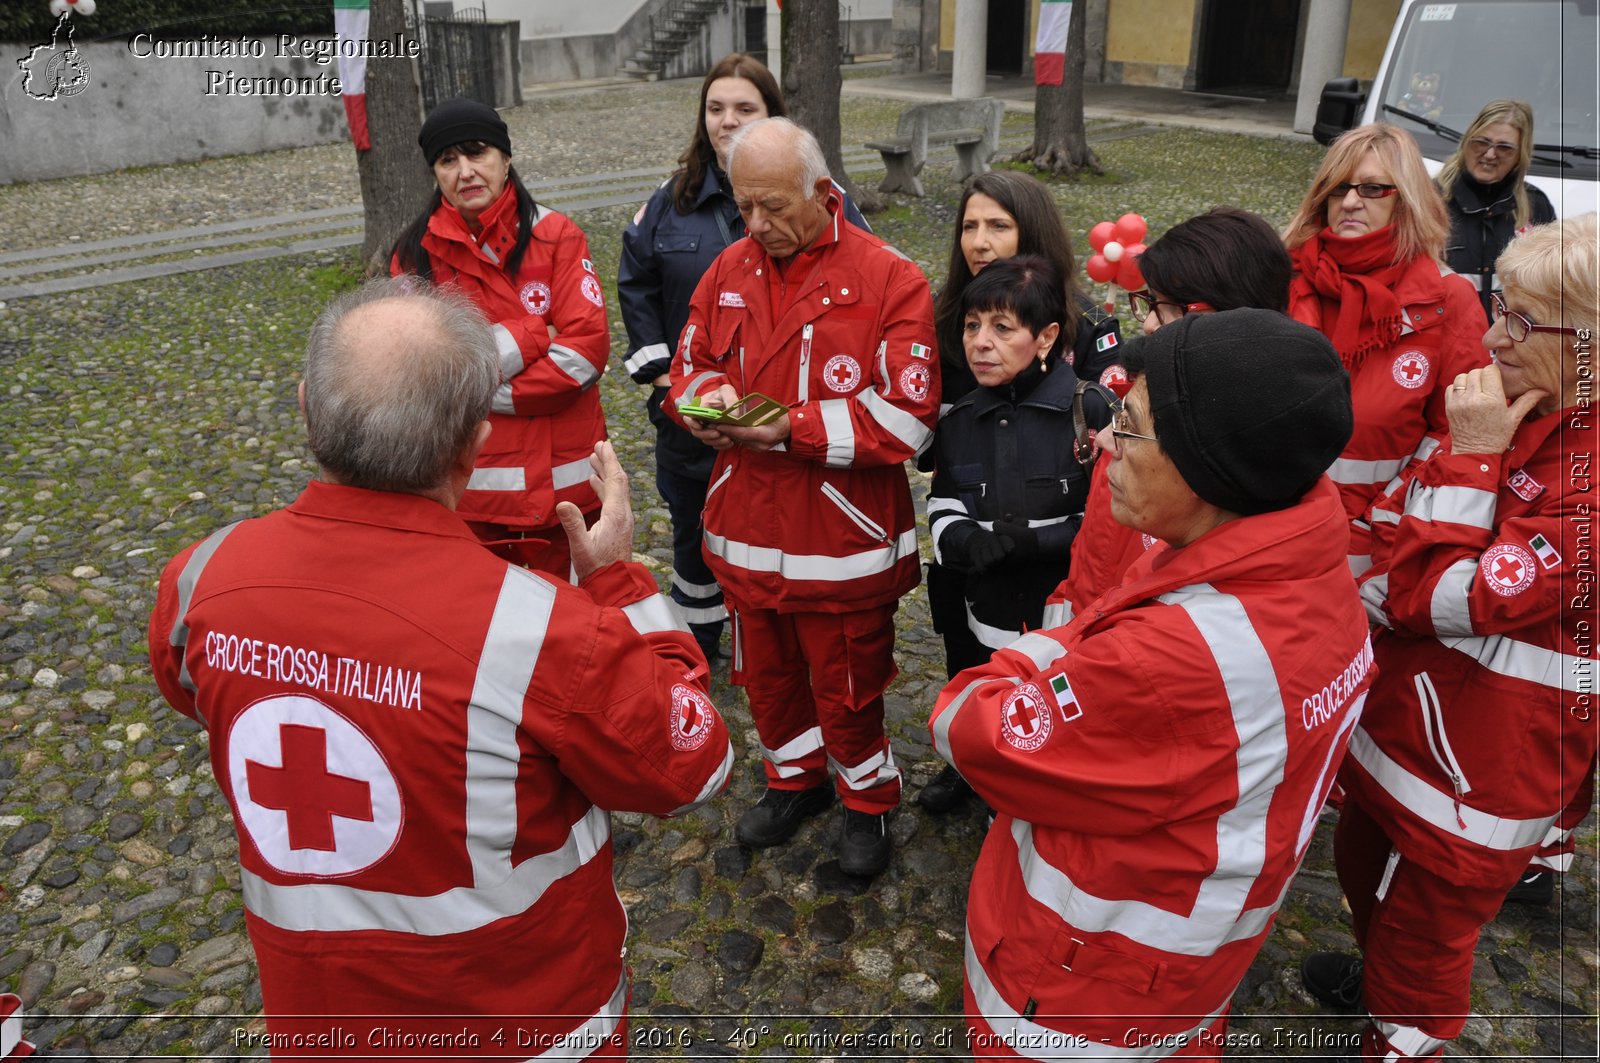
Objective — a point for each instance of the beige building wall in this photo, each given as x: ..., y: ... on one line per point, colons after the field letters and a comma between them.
x: 1370, y: 23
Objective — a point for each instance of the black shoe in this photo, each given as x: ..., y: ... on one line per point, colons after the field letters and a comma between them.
x: 946, y: 792
x: 1537, y: 888
x: 774, y: 819
x: 864, y: 846
x: 1333, y: 978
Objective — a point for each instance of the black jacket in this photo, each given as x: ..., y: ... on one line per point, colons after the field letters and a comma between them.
x: 1482, y: 222
x: 1007, y: 457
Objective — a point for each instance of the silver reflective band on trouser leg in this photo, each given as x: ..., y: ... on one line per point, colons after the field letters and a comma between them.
x: 1439, y: 809
x: 1033, y: 1041
x: 187, y: 579
x: 1408, y: 1041
x: 801, y: 745
x: 874, y: 771
x: 591, y: 1035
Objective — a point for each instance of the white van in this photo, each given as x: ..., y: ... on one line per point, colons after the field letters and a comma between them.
x: 1445, y: 61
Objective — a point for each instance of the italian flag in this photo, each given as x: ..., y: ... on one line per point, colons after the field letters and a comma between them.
x: 350, y: 19
x: 1050, y: 44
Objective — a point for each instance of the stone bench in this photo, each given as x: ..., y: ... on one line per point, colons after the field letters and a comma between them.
x: 971, y: 126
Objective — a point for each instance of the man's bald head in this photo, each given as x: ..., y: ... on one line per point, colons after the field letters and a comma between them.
x: 397, y: 379
x: 780, y: 184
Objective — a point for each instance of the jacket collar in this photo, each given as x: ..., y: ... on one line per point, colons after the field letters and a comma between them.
x: 1475, y: 198
x: 1054, y: 391
x: 715, y: 184
x: 499, y: 232
x: 379, y: 509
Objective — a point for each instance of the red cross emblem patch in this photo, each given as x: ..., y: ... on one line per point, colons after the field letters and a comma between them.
x: 914, y: 382
x: 1525, y: 486
x: 536, y: 298
x: 842, y: 373
x: 1025, y: 718
x: 1116, y: 378
x: 1507, y: 568
x: 591, y: 290
x: 314, y: 794
x: 1412, y: 369
x: 692, y: 717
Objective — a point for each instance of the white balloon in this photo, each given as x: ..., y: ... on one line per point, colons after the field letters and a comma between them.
x: 84, y: 7
x: 58, y: 7
x: 1112, y: 251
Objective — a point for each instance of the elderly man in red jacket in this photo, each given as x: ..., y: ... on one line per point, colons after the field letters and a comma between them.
x: 809, y: 525
x: 420, y: 741
x: 1157, y: 765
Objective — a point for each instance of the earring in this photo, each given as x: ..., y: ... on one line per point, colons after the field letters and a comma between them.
x: 1043, y: 368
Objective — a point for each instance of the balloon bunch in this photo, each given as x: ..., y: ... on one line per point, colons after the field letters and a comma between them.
x: 77, y: 7
x: 1117, y: 248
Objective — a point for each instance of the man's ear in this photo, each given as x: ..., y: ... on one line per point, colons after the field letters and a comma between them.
x: 300, y: 398
x: 821, y: 189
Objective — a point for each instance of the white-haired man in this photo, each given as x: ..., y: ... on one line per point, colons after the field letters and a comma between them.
x: 809, y: 525
x: 420, y: 741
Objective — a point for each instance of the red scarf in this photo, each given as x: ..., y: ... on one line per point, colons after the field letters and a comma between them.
x: 1360, y: 288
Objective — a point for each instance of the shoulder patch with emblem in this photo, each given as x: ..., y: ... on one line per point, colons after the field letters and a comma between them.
x: 1025, y: 718
x: 1411, y: 369
x: 1548, y: 558
x: 1524, y: 486
x: 1507, y: 568
x: 730, y: 299
x: 692, y: 717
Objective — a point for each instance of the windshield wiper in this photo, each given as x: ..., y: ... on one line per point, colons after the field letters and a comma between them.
x: 1443, y: 130
x: 1570, y: 149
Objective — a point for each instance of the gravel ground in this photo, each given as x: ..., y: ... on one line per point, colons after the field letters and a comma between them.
x: 138, y: 417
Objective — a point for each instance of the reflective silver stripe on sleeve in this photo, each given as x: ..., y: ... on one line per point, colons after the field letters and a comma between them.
x: 652, y: 614
x: 693, y: 389
x: 839, y: 431
x: 1358, y: 563
x: 178, y: 638
x: 941, y: 511
x: 1358, y: 473
x: 1218, y: 915
x: 571, y: 474
x: 1057, y: 614
x: 1455, y: 505
x: 801, y: 745
x: 897, y: 422
x: 711, y: 614
x: 1374, y: 593
x: 874, y: 771
x: 1448, y: 606
x: 813, y: 566
x: 578, y: 368
x: 713, y: 786
x: 1385, y: 516
x: 1426, y: 448
x: 1039, y: 648
x: 695, y: 590
x: 502, y: 401
x: 590, y: 1036
x: 1439, y: 809
x: 1522, y: 660
x: 654, y: 352
x: 1030, y: 1040
x: 501, y: 479
x: 941, y: 725
x: 511, y: 361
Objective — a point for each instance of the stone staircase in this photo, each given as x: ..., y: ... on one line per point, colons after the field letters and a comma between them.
x: 674, y: 24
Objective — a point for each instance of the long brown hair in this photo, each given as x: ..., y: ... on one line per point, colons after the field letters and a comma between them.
x: 1039, y: 232
x: 700, y: 155
x: 1421, y: 223
x: 1518, y: 116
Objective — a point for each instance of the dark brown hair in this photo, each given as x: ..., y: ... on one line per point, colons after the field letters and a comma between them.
x: 700, y: 156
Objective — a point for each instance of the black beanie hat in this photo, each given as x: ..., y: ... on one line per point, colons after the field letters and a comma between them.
x: 457, y: 121
x: 1250, y: 405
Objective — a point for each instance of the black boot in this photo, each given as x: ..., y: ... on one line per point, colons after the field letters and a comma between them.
x: 947, y: 792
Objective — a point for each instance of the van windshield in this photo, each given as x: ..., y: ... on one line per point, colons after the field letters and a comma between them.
x: 1451, y: 59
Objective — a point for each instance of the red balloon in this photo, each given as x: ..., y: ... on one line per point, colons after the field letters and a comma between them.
x: 1133, y: 251
x: 1128, y: 275
x: 1130, y: 228
x: 1100, y: 234
x: 1099, y: 269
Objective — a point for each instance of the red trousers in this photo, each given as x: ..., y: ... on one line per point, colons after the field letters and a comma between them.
x: 815, y: 682
x: 1417, y: 933
x: 1034, y: 1042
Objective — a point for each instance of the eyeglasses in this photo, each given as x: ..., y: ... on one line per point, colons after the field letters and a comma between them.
x: 1119, y: 425
x: 1518, y: 327
x: 1483, y: 145
x: 1366, y: 190
x: 1143, y: 303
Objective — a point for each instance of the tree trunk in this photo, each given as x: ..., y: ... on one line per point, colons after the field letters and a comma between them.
x: 811, y: 83
x: 1060, y: 145
x: 395, y: 181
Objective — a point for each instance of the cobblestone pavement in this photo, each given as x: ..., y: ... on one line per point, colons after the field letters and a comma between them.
x: 139, y: 416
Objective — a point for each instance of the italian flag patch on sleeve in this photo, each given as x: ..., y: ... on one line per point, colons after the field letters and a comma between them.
x: 1065, y: 699
x: 1544, y: 551
x: 1106, y: 342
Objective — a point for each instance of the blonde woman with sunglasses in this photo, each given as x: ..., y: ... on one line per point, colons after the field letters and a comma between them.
x: 1368, y: 244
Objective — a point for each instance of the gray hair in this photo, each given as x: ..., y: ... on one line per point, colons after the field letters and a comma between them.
x: 807, y: 152
x: 393, y: 417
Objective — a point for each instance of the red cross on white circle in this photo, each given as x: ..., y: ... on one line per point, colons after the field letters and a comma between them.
x: 1507, y: 569
x: 1411, y: 369
x: 841, y: 372
x: 1023, y: 716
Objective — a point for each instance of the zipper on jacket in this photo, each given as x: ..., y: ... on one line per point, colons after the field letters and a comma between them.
x: 1438, y: 743
x: 862, y: 521
x: 805, y: 363
x: 883, y: 367
x: 720, y: 481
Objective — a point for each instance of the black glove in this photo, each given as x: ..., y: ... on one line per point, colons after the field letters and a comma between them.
x: 1025, y: 541
x: 985, y: 549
